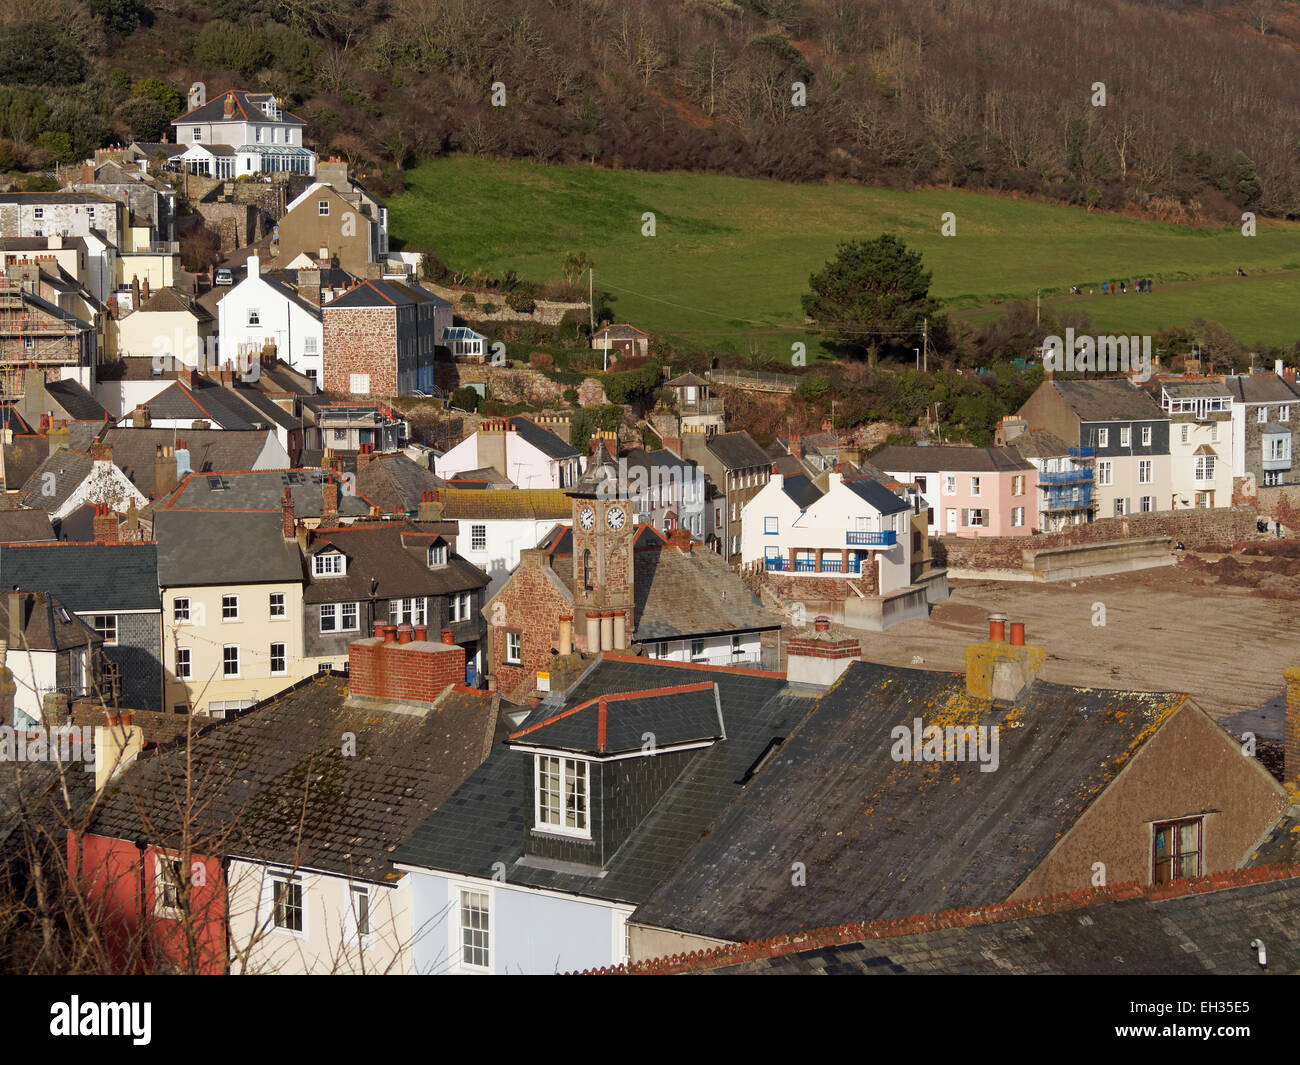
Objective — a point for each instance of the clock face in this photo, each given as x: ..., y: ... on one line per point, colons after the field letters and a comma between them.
x: 587, y: 518
x: 615, y: 517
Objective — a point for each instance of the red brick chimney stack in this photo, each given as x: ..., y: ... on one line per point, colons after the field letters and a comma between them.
x: 288, y: 525
x: 105, y: 524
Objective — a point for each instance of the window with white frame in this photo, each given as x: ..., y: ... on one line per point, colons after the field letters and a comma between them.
x: 329, y: 564
x: 169, y: 886
x: 287, y: 903
x: 1104, y: 474
x: 311, y: 345
x: 106, y: 626
x: 183, y: 663
x: 359, y: 896
x: 230, y: 608
x: 1017, y: 516
x: 1284, y: 414
x: 1146, y: 436
x: 697, y: 649
x: 1103, y: 438
x: 406, y: 611
x: 279, y: 661
x: 1205, y: 467
x: 254, y: 316
x: 1121, y: 507
x: 771, y: 526
x: 1144, y: 471
x: 1125, y: 436
x: 359, y: 384
x: 974, y: 486
x: 196, y: 133
x: 323, y: 208
x: 514, y: 648
x: 975, y: 518
x: 1261, y: 415
x: 1278, y: 449
x: 478, y: 537
x: 562, y: 791
x: 459, y: 606
x: 1184, y: 430
x: 475, y: 930
x: 1018, y: 484
x: 277, y: 605
x: 1148, y: 504
x: 437, y: 555
x: 950, y: 486
x: 230, y: 660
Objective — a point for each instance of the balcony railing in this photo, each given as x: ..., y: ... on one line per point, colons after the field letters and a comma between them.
x: 871, y: 539
x: 809, y: 565
x: 1081, y: 452
x: 1065, y: 477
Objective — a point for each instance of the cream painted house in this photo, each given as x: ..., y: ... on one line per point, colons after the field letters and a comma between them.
x: 231, y: 586
x: 169, y: 328
x: 302, y: 921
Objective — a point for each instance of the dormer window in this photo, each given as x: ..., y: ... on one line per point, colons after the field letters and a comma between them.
x: 437, y: 555
x: 563, y: 796
x: 333, y: 564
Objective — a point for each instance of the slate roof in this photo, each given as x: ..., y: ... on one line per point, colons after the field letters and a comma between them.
x: 275, y: 788
x: 85, y: 577
x: 177, y: 402
x: 1282, y: 843
x: 489, y: 817
x: 801, y: 490
x: 539, y: 504
x: 33, y: 792
x: 48, y: 625
x: 543, y: 439
x: 736, y: 451
x: 370, y: 294
x: 260, y: 490
x: 210, y: 449
x: 687, y: 380
x: 678, y: 594
x: 1205, y: 931
x: 942, y: 458
x: 247, y: 109
x: 619, y: 331
x: 483, y: 477
x: 617, y: 724
x: 24, y: 526
x: 69, y: 468
x: 1109, y: 400
x: 394, y: 481
x: 890, y: 838
x: 76, y: 402
x: 1188, y: 389
x: 170, y: 300
x: 876, y: 494
x: 1261, y: 388
x: 207, y: 547
x: 394, y: 556
x: 1039, y: 444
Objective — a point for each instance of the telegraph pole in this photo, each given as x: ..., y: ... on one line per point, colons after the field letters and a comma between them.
x: 925, y: 345
x: 591, y: 303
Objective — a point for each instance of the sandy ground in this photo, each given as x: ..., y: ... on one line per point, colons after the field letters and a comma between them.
x: 1162, y: 632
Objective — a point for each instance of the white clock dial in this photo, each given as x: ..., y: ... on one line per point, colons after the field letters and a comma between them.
x: 587, y: 518
x: 615, y: 518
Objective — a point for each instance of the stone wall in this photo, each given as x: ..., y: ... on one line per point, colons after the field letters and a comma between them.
x: 359, y: 340
x: 547, y: 312
x: 1197, y: 529
x: 515, y: 384
x: 236, y: 224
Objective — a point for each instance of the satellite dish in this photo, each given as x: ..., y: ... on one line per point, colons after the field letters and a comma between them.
x: 198, y: 95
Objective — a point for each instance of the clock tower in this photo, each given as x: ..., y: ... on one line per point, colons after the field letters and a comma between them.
x: 603, y: 529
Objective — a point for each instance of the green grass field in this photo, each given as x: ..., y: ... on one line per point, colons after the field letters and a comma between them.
x: 731, y: 256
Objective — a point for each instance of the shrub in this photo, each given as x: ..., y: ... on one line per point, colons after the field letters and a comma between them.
x: 489, y: 308
x: 465, y: 398
x: 571, y: 395
x: 521, y: 302
x: 468, y: 300
x: 541, y: 360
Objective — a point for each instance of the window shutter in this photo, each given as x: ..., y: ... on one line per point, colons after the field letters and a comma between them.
x: 965, y: 514
x: 984, y: 517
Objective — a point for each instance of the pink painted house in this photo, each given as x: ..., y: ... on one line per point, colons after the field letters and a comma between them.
x: 968, y: 491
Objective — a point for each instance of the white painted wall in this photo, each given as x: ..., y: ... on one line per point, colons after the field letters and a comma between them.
x: 328, y: 943
x: 295, y: 331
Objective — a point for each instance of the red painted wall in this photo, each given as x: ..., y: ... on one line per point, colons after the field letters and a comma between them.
x: 110, y: 877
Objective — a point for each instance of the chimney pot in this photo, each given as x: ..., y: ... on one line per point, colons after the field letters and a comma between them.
x: 997, y: 627
x: 1017, y: 634
x: 421, y: 633
x: 821, y: 623
x: 404, y: 633
x: 448, y: 636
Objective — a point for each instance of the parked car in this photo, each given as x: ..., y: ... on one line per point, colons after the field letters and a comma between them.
x: 224, y: 277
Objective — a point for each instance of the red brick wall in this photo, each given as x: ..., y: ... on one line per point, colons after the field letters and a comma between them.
x: 530, y: 605
x: 1197, y: 529
x: 359, y: 340
x: 403, y: 671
